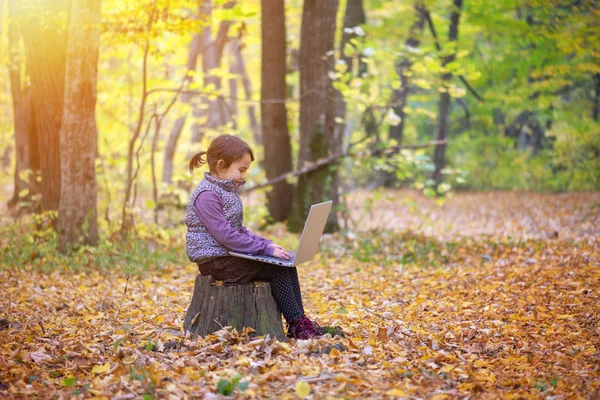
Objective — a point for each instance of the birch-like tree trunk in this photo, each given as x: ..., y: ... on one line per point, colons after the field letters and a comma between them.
x: 596, y: 107
x: 44, y: 31
x: 77, y: 216
x: 403, y: 66
x: 317, y: 111
x: 400, y: 95
x: 210, y: 113
x: 443, y: 121
x: 26, y: 147
x: 170, y: 148
x: 275, y: 133
x: 240, y: 68
x: 354, y: 16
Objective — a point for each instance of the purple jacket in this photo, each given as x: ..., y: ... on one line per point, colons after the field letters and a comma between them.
x: 209, y: 207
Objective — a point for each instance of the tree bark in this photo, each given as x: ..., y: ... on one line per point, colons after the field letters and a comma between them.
x: 233, y: 82
x: 240, y: 306
x: 354, y: 16
x: 44, y: 30
x: 275, y: 133
x: 403, y: 65
x: 26, y: 146
x: 443, y: 122
x: 317, y: 111
x: 596, y: 110
x: 211, y: 114
x: 400, y: 95
x: 171, y: 147
x: 240, y: 68
x: 127, y: 219
x: 77, y: 217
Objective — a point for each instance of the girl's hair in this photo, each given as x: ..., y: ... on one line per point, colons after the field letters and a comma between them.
x: 228, y: 148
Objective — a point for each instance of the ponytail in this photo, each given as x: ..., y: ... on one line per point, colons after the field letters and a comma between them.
x: 197, y: 161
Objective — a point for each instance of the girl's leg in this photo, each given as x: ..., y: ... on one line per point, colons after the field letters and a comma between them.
x: 296, y: 284
x: 285, y: 289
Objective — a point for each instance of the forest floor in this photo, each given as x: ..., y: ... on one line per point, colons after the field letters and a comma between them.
x: 490, y: 295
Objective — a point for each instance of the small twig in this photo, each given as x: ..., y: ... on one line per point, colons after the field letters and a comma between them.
x: 219, y: 323
x: 381, y: 316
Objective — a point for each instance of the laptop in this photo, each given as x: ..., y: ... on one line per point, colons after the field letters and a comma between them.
x: 309, y: 241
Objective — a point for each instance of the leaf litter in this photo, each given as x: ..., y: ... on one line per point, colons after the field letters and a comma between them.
x: 422, y: 317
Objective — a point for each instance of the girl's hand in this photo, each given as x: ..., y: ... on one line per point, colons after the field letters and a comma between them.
x: 279, y: 252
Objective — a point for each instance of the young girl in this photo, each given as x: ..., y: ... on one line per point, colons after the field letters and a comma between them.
x: 215, y: 218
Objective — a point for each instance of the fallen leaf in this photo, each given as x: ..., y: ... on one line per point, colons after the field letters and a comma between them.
x: 302, y: 389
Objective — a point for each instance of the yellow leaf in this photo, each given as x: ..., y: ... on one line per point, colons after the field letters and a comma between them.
x: 396, y: 392
x: 334, y: 353
x: 302, y: 389
x: 101, y: 369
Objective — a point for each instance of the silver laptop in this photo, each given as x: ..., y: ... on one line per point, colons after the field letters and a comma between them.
x: 309, y: 241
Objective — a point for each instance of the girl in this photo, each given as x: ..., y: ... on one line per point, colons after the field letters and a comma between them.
x: 214, y: 220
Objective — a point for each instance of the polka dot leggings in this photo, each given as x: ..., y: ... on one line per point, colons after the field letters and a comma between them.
x: 285, y: 286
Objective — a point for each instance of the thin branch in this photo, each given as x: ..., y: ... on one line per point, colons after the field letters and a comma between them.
x: 206, y: 95
x: 314, y: 165
x: 138, y: 127
x: 464, y: 106
x: 437, y: 46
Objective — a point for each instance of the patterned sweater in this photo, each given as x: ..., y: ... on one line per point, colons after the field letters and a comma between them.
x: 214, y: 222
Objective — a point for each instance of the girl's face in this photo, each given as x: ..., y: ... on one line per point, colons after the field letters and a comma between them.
x: 237, y: 169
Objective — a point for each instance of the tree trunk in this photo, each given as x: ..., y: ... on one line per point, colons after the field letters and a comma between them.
x: 45, y: 36
x: 317, y: 113
x: 239, y: 306
x: 77, y: 217
x: 157, y: 126
x: 354, y: 16
x: 171, y: 147
x: 210, y: 115
x: 240, y: 69
x: 275, y: 133
x: 26, y: 146
x: 400, y: 95
x: 596, y: 110
x: 403, y: 66
x: 233, y: 82
x: 194, y: 52
x: 443, y: 122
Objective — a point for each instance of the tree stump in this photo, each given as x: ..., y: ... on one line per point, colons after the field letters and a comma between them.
x: 249, y: 305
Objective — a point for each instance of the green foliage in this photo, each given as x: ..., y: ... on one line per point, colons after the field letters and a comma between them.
x: 227, y: 387
x: 36, y: 248
x: 390, y: 248
x: 495, y: 162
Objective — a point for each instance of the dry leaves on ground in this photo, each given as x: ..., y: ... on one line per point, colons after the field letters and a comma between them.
x: 494, y: 318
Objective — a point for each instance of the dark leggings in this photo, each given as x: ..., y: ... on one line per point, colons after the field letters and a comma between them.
x: 285, y: 286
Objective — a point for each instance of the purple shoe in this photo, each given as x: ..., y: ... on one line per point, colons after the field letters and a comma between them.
x: 303, y: 328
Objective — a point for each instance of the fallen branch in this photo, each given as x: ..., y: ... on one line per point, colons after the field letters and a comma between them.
x: 314, y: 165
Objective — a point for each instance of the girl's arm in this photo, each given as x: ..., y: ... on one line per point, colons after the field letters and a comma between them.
x: 248, y: 232
x: 210, y: 211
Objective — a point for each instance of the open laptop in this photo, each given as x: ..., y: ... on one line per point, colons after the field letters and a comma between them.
x: 309, y: 241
